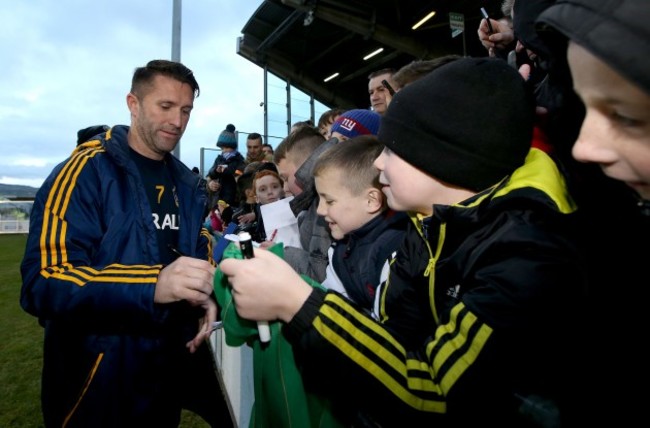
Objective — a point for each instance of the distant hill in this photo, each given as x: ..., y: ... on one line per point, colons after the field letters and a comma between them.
x: 13, y: 191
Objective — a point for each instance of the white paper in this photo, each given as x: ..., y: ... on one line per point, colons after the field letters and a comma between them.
x: 279, y: 220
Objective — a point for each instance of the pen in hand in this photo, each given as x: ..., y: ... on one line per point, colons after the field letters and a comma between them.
x: 390, y: 89
x: 487, y: 20
x: 175, y: 250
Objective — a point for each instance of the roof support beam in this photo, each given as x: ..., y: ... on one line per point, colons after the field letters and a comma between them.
x: 361, y: 26
x: 280, y: 30
x: 286, y: 69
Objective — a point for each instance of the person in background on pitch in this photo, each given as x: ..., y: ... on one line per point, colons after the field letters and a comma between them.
x: 268, y: 187
x: 268, y: 149
x: 254, y: 152
x: 380, y: 95
x: 88, y: 133
x: 230, y: 164
x: 104, y: 274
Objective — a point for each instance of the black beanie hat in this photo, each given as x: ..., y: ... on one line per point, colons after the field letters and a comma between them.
x: 468, y: 123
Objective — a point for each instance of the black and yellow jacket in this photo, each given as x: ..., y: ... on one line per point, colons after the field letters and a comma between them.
x: 475, y: 317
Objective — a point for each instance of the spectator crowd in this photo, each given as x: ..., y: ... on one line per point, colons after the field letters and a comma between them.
x: 463, y: 253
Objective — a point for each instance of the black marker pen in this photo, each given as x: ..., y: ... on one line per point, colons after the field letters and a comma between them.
x: 175, y: 251
x: 386, y: 85
x: 246, y: 247
x: 487, y: 19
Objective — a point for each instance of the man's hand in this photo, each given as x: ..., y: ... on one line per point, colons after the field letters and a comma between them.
x: 187, y: 279
x: 191, y: 280
x: 205, y: 325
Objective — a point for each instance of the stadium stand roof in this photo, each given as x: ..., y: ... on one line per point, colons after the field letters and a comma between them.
x: 305, y: 41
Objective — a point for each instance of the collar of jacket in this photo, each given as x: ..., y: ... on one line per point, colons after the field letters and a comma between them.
x: 538, y: 180
x: 192, y: 195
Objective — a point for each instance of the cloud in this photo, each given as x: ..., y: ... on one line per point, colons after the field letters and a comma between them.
x: 67, y: 64
x: 37, y: 162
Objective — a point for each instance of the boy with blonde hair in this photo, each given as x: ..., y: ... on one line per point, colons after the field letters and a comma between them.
x: 366, y: 233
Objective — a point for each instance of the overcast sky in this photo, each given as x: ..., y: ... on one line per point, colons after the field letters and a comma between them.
x: 67, y: 64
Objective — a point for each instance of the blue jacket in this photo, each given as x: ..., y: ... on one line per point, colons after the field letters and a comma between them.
x: 361, y: 256
x: 89, y: 275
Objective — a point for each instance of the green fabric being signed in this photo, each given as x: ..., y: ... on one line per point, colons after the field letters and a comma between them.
x: 280, y: 396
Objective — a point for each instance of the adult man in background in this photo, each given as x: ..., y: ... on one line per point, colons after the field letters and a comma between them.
x: 254, y: 152
x: 380, y: 95
x: 104, y: 274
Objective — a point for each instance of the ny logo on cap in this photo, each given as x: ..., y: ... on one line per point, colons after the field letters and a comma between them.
x: 348, y: 124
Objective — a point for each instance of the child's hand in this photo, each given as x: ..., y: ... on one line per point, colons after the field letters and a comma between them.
x: 265, y: 288
x: 247, y: 218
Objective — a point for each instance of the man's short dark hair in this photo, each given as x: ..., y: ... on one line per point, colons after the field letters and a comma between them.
x: 143, y: 76
x: 255, y: 136
x: 374, y: 74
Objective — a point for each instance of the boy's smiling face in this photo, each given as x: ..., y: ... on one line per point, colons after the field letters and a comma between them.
x: 344, y: 210
x: 616, y: 130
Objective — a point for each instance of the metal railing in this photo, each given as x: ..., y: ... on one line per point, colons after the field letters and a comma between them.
x: 14, y: 216
x: 14, y: 226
